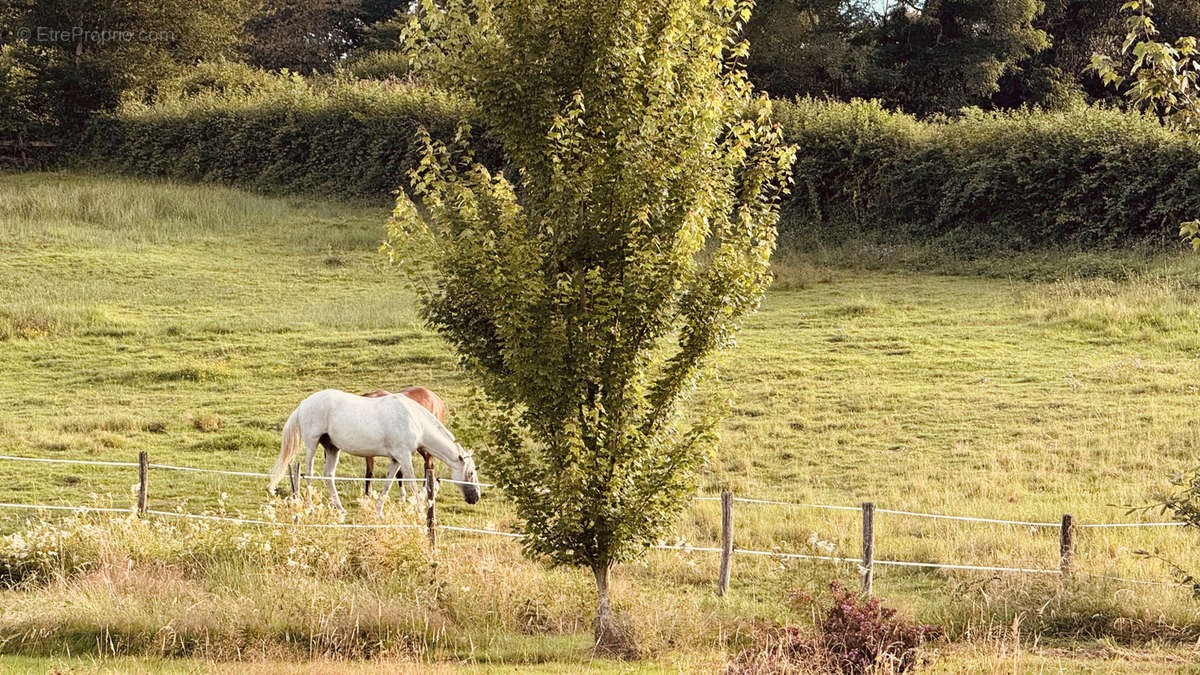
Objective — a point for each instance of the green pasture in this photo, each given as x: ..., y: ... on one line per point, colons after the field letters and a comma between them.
x: 188, y: 321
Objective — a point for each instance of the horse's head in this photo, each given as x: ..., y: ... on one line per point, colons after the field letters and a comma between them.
x: 465, y: 472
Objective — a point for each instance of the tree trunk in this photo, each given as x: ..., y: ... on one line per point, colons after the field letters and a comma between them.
x: 605, y: 630
x: 614, y: 636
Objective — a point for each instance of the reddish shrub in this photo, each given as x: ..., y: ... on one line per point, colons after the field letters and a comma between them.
x: 861, y: 634
x: 856, y: 636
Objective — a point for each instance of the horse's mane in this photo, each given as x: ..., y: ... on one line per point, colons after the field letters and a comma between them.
x: 414, y: 405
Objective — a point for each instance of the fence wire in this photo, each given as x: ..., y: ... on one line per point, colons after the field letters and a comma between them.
x: 515, y: 535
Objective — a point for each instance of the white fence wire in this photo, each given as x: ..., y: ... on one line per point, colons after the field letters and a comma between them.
x: 745, y: 500
x: 514, y: 535
x: 226, y: 472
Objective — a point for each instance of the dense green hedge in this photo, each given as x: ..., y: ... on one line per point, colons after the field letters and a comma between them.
x: 1021, y: 180
x: 1024, y: 180
x: 281, y: 135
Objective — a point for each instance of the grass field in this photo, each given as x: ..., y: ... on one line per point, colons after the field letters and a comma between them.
x: 188, y: 321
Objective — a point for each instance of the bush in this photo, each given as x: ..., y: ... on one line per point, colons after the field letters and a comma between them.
x: 225, y: 79
x: 856, y: 636
x: 1025, y: 180
x: 378, y: 65
x: 352, y: 139
x: 19, y: 113
x: 1084, y: 178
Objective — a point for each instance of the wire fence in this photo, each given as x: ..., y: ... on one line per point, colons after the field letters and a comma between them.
x: 866, y: 563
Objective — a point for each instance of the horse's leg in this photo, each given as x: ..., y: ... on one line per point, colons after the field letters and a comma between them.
x: 387, y: 483
x: 331, y: 460
x: 370, y: 475
x: 310, y: 451
x: 406, y: 471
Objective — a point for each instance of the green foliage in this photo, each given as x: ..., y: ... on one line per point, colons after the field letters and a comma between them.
x: 1162, y: 77
x: 1058, y: 77
x: 810, y: 47
x: 937, y: 57
x: 315, y: 35
x: 1023, y: 180
x: 1162, y: 80
x: 85, y: 54
x: 952, y: 53
x: 227, y: 124
x: 20, y: 114
x: 222, y: 79
x: 1080, y: 178
x: 1183, y: 501
x: 590, y: 288
x: 378, y: 65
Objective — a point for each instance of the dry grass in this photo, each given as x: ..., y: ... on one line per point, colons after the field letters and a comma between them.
x: 206, y: 590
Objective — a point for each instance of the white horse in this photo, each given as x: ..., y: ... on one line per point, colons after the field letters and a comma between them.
x: 392, y: 426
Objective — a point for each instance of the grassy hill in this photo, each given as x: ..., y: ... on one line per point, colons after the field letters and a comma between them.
x: 188, y: 321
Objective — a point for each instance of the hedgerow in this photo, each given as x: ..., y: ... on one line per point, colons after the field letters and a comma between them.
x: 349, y: 138
x: 1027, y: 180
x: 1023, y: 180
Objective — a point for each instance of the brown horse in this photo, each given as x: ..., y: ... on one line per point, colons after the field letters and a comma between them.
x: 428, y: 400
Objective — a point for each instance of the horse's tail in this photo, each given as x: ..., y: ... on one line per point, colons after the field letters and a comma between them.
x: 290, y: 447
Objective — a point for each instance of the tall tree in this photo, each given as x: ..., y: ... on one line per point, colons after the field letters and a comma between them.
x: 1059, y: 76
x: 942, y: 55
x: 810, y: 47
x: 84, y: 54
x: 300, y: 35
x: 590, y: 288
x: 1163, y: 77
x: 313, y: 35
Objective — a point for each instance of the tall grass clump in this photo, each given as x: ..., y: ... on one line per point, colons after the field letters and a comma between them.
x: 1143, y: 307
x: 96, y: 211
x: 1049, y: 609
x: 45, y: 550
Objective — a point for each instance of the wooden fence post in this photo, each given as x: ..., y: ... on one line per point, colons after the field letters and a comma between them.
x: 726, y: 542
x: 294, y: 477
x: 143, y: 465
x: 1065, y: 541
x: 868, y: 547
x: 430, y: 494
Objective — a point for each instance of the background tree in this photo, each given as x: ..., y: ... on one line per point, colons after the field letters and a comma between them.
x: 20, y: 114
x: 590, y: 288
x: 301, y: 35
x: 1059, y: 76
x: 122, y: 46
x: 932, y: 56
x: 943, y: 55
x: 314, y: 35
x: 1156, y: 76
x: 810, y: 47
